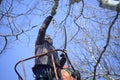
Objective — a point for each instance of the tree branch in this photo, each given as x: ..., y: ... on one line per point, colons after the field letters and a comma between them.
x: 106, y: 45
x: 15, y: 35
x: 53, y: 12
x: 6, y: 41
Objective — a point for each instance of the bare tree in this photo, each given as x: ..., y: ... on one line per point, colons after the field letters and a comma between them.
x: 93, y: 33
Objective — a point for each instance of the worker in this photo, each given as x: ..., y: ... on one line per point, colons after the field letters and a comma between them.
x: 43, y: 68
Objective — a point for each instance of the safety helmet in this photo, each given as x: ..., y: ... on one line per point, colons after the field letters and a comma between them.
x: 48, y: 39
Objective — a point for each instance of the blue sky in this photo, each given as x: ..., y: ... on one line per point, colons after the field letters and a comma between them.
x: 19, y: 50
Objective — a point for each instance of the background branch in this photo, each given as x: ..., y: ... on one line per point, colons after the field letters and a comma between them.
x: 106, y: 45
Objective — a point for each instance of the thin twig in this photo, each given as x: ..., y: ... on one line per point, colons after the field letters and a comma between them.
x: 22, y: 31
